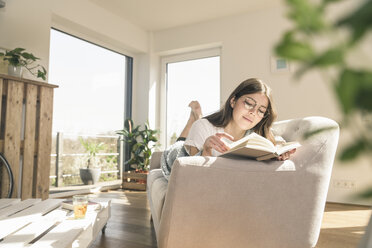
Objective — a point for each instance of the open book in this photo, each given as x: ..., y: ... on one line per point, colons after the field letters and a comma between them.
x: 257, y: 147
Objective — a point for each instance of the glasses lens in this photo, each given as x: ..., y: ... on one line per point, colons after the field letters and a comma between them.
x: 262, y: 112
x: 249, y: 104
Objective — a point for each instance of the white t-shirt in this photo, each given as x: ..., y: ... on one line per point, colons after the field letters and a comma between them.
x: 199, y: 132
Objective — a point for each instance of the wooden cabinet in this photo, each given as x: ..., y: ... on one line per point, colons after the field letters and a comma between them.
x: 26, y: 133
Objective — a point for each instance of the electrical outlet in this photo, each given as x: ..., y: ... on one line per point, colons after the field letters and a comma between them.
x: 344, y: 184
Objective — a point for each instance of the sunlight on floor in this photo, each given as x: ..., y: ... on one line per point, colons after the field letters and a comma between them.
x: 333, y: 220
x: 123, y: 201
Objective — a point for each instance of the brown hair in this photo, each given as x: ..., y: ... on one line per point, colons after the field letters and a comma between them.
x: 249, y: 86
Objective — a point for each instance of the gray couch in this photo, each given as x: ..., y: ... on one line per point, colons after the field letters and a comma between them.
x: 223, y: 202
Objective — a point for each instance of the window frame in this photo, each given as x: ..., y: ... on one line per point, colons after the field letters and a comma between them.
x: 164, y: 61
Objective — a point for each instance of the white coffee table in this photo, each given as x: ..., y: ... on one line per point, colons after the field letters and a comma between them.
x: 36, y: 223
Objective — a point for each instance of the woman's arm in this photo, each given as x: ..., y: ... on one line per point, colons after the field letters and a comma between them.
x: 212, y: 142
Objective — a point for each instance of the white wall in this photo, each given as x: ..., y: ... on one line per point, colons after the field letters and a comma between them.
x: 27, y: 24
x: 246, y: 47
x: 89, y: 20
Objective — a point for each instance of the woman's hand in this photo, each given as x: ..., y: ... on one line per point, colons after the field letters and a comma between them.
x: 286, y: 155
x: 215, y: 142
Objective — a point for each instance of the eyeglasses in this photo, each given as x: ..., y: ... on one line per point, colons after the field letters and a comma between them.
x: 250, y: 103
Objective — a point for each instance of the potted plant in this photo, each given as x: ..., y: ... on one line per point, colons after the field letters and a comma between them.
x: 92, y: 172
x: 140, y: 142
x: 18, y: 59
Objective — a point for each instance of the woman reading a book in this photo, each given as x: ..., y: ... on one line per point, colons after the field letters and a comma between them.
x: 248, y: 109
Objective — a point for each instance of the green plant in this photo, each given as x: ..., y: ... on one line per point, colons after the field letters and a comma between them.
x: 352, y: 84
x: 140, y: 142
x: 18, y: 57
x: 92, y: 148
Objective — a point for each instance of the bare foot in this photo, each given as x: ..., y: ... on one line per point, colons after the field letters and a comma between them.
x: 196, y: 112
x: 195, y: 115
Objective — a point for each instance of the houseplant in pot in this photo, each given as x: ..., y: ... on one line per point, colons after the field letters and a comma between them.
x: 92, y: 172
x: 18, y: 59
x: 141, y: 142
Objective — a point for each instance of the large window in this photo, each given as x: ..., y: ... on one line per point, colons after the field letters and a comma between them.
x: 91, y: 103
x: 92, y: 96
x: 189, y: 78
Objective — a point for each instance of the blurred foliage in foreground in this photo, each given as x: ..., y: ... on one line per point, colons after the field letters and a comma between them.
x: 316, y: 42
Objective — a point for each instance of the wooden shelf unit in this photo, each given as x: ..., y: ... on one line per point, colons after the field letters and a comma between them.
x: 26, y: 111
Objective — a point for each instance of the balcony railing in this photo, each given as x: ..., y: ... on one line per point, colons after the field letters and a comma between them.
x: 69, y: 156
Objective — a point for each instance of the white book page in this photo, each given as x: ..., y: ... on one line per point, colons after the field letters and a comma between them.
x: 280, y: 149
x: 254, y: 140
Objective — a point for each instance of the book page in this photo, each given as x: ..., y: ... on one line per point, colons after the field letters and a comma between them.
x: 252, y: 146
x: 280, y: 149
x: 249, y: 151
x: 252, y: 140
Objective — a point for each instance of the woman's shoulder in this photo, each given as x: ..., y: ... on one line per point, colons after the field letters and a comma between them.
x: 203, y: 123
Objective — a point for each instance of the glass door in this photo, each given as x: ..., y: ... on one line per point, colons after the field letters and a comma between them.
x: 196, y: 79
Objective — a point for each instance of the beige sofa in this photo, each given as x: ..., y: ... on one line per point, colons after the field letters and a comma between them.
x: 223, y: 202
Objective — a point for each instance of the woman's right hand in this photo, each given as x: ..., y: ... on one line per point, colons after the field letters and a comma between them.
x: 215, y: 142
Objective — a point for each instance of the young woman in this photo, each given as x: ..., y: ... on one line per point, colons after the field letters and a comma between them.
x: 248, y: 109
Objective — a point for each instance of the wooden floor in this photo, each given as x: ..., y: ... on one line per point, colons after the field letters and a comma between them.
x: 130, y: 226
x: 343, y: 225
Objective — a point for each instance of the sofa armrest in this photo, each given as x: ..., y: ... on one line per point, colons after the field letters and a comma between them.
x: 155, y: 160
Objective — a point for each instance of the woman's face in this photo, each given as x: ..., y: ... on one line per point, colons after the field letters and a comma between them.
x: 249, y: 109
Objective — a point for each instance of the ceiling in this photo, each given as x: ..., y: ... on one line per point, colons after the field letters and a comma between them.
x: 155, y: 15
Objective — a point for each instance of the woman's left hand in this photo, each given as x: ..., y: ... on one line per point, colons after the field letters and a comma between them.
x: 286, y: 155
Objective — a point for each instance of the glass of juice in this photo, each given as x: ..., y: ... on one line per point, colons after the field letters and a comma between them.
x: 80, y: 203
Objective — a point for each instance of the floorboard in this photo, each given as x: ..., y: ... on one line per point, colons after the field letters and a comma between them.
x: 130, y: 227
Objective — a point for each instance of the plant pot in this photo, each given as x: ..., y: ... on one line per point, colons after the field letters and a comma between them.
x: 15, y: 71
x: 90, y: 176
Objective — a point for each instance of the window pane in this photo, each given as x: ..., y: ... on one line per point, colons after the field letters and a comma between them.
x: 90, y: 97
x: 190, y: 80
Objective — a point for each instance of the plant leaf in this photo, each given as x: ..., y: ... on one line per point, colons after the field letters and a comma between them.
x: 294, y: 50
x: 346, y: 89
x: 307, y: 16
x: 354, y: 150
x: 359, y: 21
x: 330, y: 1
x: 354, y: 89
x: 333, y: 56
x: 363, y: 99
x: 29, y: 56
x: 365, y: 194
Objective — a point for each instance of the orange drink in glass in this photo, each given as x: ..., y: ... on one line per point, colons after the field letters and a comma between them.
x: 80, y: 203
